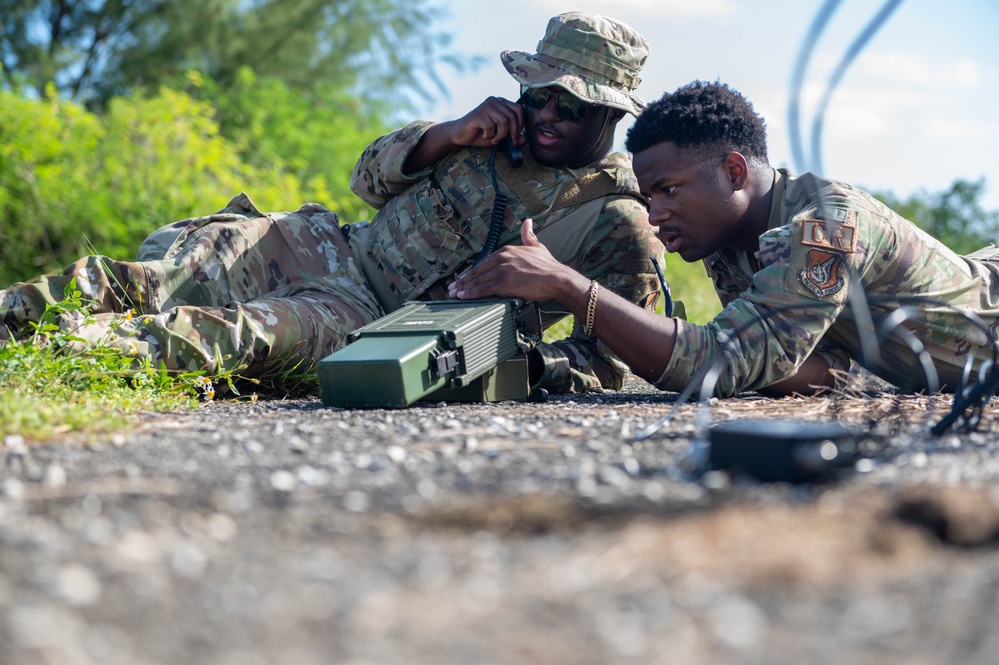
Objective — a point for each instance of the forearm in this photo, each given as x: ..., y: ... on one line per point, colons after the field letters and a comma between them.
x: 642, y: 340
x: 814, y: 373
x: 639, y: 338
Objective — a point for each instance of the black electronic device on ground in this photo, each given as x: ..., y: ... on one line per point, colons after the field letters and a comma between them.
x: 782, y: 451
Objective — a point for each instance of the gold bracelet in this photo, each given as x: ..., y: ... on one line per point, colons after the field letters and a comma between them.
x: 591, y: 308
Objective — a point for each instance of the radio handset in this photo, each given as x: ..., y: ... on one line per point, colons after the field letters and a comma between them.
x: 513, y: 153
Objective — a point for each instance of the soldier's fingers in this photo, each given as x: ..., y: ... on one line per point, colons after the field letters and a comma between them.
x: 488, y: 130
x: 474, y: 282
x: 512, y: 118
x: 463, y: 282
x: 504, y: 105
x: 503, y: 126
x: 489, y: 123
x: 508, y: 117
x: 469, y: 289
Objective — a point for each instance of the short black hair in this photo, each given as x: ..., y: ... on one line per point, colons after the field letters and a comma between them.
x: 701, y: 115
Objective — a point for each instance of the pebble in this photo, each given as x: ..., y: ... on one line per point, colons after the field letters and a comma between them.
x: 78, y: 585
x: 283, y: 480
x: 55, y: 475
x: 356, y: 502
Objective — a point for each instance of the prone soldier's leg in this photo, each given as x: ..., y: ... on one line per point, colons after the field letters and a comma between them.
x: 294, y: 331
x: 319, y: 296
x: 214, y: 261
x: 111, y: 286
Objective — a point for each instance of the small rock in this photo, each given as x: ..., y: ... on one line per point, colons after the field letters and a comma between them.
x: 356, y: 502
x: 283, y: 481
x: 55, y: 475
x: 78, y: 585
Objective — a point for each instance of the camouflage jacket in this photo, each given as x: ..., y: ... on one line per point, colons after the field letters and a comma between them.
x: 831, y: 254
x: 432, y: 224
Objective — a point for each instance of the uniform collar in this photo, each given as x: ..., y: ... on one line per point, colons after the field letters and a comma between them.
x: 777, y: 200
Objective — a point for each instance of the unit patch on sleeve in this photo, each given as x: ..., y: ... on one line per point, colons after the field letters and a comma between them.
x: 822, y: 274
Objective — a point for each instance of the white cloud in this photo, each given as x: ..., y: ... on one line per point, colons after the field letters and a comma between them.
x: 897, y: 66
x: 856, y: 119
x: 949, y: 128
x: 967, y: 73
x: 914, y: 69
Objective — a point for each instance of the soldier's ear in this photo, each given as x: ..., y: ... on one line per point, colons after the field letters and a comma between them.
x: 736, y: 170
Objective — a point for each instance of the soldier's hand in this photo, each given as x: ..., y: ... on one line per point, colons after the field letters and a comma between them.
x: 489, y: 123
x: 486, y: 125
x: 529, y: 272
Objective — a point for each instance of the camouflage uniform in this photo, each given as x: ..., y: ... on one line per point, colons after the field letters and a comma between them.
x: 244, y: 289
x: 826, y: 241
x: 592, y: 219
x: 239, y: 288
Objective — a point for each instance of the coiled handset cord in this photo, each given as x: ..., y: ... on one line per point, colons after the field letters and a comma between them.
x: 499, y: 202
x: 496, y: 225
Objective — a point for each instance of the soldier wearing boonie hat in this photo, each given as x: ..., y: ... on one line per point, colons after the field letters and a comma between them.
x: 241, y: 290
x: 594, y: 57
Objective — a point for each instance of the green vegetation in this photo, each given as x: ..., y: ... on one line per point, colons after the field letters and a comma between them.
x: 94, y: 51
x: 119, y: 118
x: 70, y: 177
x: 50, y: 383
x: 689, y: 283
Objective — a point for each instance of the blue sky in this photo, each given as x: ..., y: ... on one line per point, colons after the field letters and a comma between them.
x: 918, y: 108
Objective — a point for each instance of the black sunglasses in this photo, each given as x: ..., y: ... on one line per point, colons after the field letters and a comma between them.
x: 569, y: 106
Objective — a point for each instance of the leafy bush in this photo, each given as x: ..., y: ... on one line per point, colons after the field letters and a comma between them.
x: 316, y: 138
x: 72, y: 181
x: 689, y: 283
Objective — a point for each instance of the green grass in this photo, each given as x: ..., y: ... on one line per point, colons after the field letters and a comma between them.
x: 690, y: 284
x: 50, y: 384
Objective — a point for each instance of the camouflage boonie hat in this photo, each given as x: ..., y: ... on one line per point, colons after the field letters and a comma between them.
x: 594, y: 57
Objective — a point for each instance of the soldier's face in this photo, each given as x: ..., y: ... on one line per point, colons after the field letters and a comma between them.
x: 693, y: 202
x: 556, y: 141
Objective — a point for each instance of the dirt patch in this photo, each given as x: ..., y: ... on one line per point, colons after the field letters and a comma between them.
x: 861, y: 538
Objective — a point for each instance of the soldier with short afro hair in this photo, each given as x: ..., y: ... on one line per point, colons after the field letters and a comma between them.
x: 792, y: 258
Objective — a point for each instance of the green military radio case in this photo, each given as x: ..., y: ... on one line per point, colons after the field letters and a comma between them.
x: 452, y: 350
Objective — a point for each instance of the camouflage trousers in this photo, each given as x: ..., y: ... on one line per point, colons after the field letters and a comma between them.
x: 237, y: 290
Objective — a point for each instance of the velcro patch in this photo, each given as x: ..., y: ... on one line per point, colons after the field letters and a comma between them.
x: 832, y: 235
x: 822, y: 275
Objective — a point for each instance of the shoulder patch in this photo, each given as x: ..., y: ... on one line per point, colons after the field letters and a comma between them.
x: 831, y: 235
x: 822, y: 275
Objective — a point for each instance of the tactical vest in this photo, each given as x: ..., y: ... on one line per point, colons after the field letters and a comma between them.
x: 441, y: 223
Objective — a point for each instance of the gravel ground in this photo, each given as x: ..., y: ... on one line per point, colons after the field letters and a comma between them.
x: 283, y: 532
